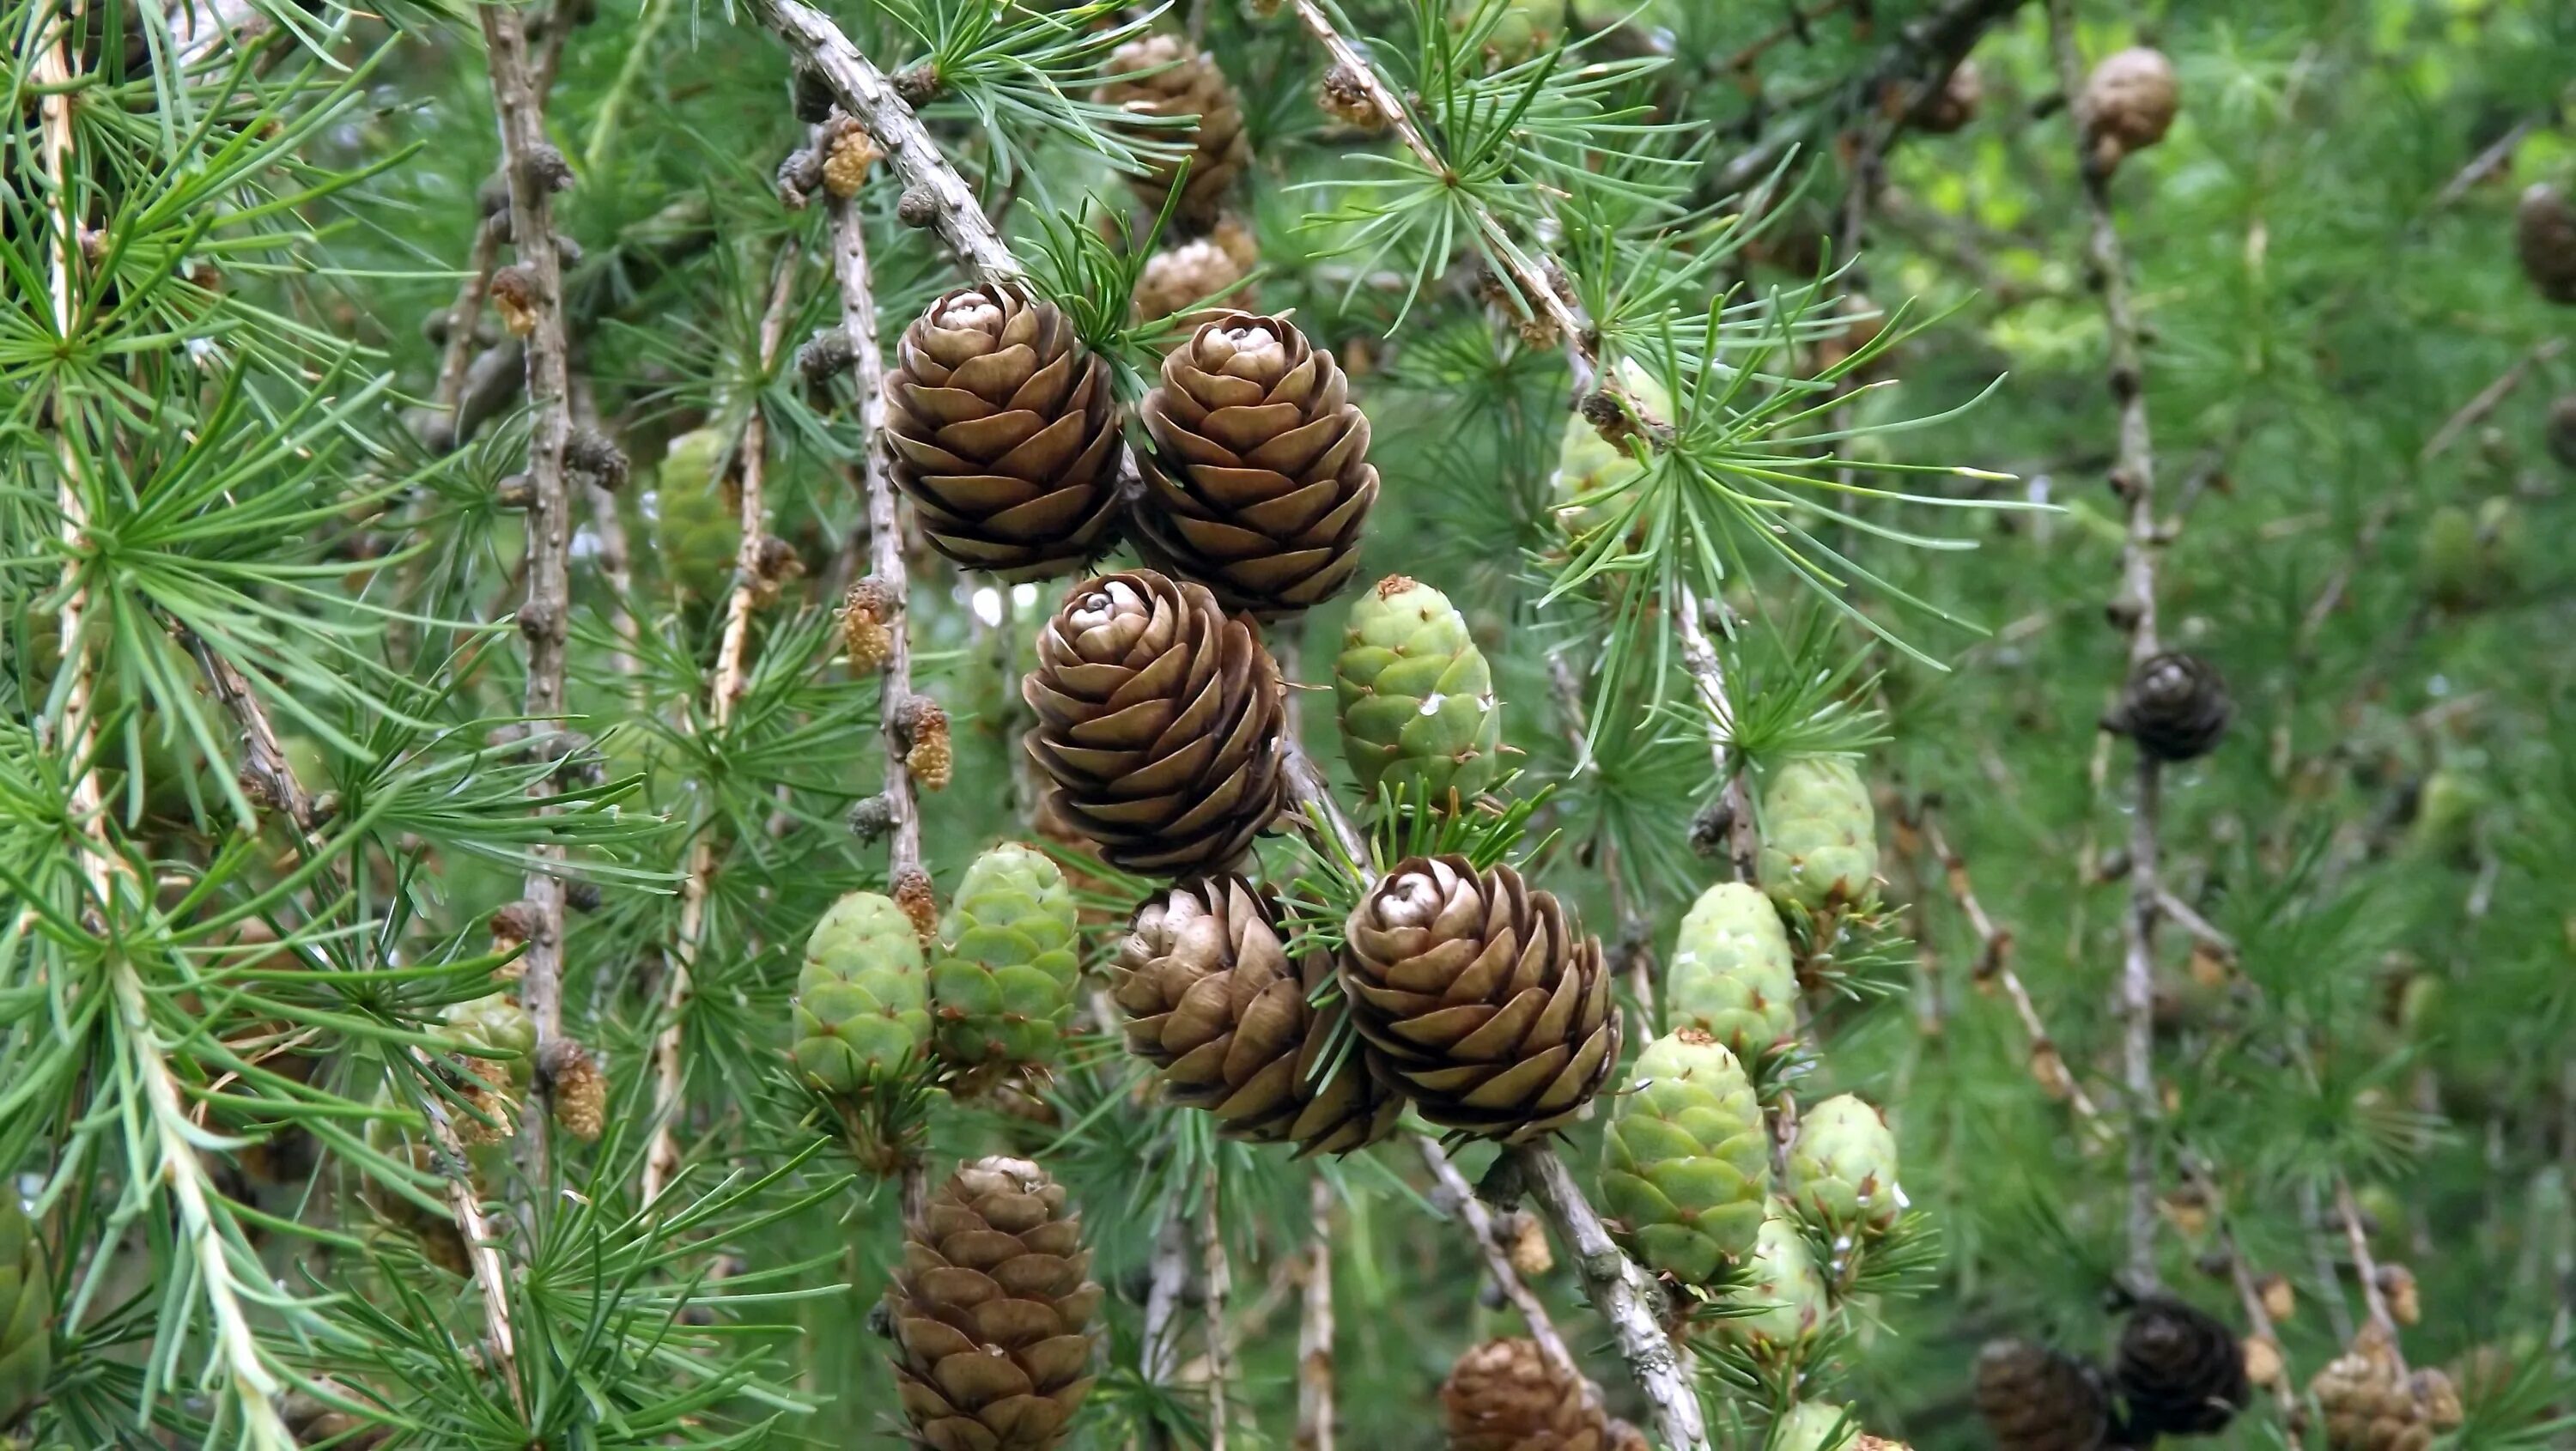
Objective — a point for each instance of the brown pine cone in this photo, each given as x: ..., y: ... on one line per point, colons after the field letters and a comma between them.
x: 992, y: 1311
x: 1214, y: 1002
x: 1003, y: 429
x: 1183, y: 82
x: 2037, y: 1399
x: 2128, y: 104
x: 1504, y: 1395
x: 2175, y: 707
x: 1478, y: 998
x: 2180, y: 1371
x: 1158, y: 721
x: 1177, y: 279
x: 1258, y: 481
x: 2544, y: 233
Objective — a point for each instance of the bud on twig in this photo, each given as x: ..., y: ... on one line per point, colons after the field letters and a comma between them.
x: 578, y: 1089
x: 514, y: 296
x: 867, y: 632
x: 870, y: 817
x: 916, y: 208
x: 2175, y: 707
x: 589, y: 450
x: 929, y: 758
x: 848, y: 152
x: 913, y: 894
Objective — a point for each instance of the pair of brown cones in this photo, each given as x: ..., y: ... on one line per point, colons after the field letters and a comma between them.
x: 1002, y: 428
x: 2179, y: 1371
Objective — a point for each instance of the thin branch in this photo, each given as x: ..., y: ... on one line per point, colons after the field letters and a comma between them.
x: 481, y: 1245
x: 616, y: 561
x: 1528, y: 278
x: 2476, y: 409
x: 1708, y: 677
x: 1315, y: 1414
x: 525, y: 160
x: 1453, y: 1194
x: 1168, y: 1279
x: 1623, y: 1294
x: 1217, y: 1285
x: 2365, y: 1268
x: 1926, y: 50
x: 2133, y: 476
x: 2484, y: 164
x: 2258, y: 1318
x: 869, y: 97
x: 724, y: 687
x: 886, y: 565
x: 463, y: 315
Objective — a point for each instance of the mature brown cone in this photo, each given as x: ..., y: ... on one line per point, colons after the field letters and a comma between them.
x: 1214, y: 1002
x: 1478, y: 999
x: 2544, y: 232
x: 1184, y: 82
x: 2128, y: 104
x: 2175, y: 707
x: 2038, y: 1399
x: 1258, y: 481
x: 2370, y: 1405
x: 1180, y: 277
x: 2180, y: 1371
x: 992, y: 1311
x: 1158, y: 720
x: 1003, y: 429
x: 1504, y: 1395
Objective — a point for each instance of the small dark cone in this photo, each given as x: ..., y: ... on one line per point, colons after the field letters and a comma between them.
x: 2180, y: 1371
x: 2544, y: 234
x: 2038, y: 1399
x: 2175, y: 707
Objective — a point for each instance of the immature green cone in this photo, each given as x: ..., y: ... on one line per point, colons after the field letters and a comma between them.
x: 26, y: 1312
x: 1522, y: 29
x: 862, y: 1001
x: 991, y: 1312
x: 1684, y: 1163
x: 1842, y: 1169
x: 1812, y: 1426
x: 496, y: 1030
x: 1819, y: 836
x: 1417, y: 702
x: 1732, y: 976
x: 1784, y: 1281
x: 1590, y: 469
x: 697, y: 533
x: 1003, y: 982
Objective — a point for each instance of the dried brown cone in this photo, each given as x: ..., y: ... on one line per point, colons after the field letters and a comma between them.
x: 1214, y: 1001
x: 991, y: 1312
x: 1001, y: 427
x: 848, y: 152
x: 2175, y: 706
x: 579, y: 1089
x: 1258, y: 481
x: 1178, y: 278
x: 1506, y: 1395
x: 1184, y: 82
x: 2034, y: 1398
x: 1345, y: 97
x: 867, y: 631
x: 932, y: 756
x: 2370, y: 1405
x: 2544, y: 233
x: 1158, y: 722
x: 2180, y: 1370
x: 1478, y: 998
x: 496, y: 1116
x: 2128, y: 104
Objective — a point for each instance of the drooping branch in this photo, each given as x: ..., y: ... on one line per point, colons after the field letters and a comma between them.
x: 1624, y: 1295
x: 2133, y: 477
x: 724, y: 687
x: 535, y: 172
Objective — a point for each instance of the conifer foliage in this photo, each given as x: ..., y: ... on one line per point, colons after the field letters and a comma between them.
x: 1519, y: 725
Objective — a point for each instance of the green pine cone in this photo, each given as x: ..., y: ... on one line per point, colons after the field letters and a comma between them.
x: 862, y: 1001
x: 696, y: 533
x: 1685, y: 1162
x: 1525, y: 27
x: 1732, y: 976
x: 1819, y: 836
x: 1842, y: 1170
x: 1785, y: 1283
x: 1002, y: 986
x: 1417, y: 703
x: 1811, y: 1426
x: 26, y: 1313
x: 498, y: 1030
x: 1590, y: 469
